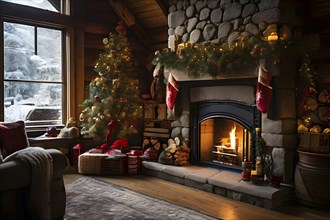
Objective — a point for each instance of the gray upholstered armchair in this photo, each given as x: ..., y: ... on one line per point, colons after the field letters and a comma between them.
x: 22, y: 181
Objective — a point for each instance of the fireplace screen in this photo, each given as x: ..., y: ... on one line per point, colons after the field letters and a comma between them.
x: 224, y: 141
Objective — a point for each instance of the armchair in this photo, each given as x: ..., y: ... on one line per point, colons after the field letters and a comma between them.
x: 17, y: 177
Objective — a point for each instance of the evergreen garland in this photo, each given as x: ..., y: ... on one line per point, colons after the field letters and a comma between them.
x: 212, y: 59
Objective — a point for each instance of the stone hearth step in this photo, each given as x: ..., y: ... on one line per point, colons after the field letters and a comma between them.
x: 221, y: 182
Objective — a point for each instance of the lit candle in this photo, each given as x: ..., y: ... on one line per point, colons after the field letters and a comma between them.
x: 244, y: 136
x: 272, y: 38
x: 247, y: 144
x: 180, y: 49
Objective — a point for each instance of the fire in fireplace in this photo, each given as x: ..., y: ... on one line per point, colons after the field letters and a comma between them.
x: 224, y: 141
x: 223, y: 134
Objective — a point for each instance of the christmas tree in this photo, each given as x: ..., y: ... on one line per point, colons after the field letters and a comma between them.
x: 114, y: 98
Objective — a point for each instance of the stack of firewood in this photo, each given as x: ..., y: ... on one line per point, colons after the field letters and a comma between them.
x: 175, y: 153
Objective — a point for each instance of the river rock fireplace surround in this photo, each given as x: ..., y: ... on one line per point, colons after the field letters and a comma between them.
x: 217, y: 22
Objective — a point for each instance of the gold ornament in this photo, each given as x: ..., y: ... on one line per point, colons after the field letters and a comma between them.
x: 116, y: 82
x: 97, y: 120
x: 95, y: 109
x: 82, y: 117
x: 105, y: 41
x: 122, y: 114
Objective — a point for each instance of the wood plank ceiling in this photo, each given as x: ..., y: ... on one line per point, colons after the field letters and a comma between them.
x: 147, y: 19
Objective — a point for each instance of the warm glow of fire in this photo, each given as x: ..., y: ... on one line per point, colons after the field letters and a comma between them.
x: 232, y: 138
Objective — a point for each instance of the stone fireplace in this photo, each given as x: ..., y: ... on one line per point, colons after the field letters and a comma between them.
x: 207, y: 109
x: 218, y: 22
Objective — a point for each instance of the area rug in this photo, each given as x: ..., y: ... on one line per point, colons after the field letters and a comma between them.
x: 90, y: 198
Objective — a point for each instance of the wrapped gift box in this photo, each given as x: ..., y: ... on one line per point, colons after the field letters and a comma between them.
x: 134, y: 160
x: 96, y: 163
x: 134, y: 164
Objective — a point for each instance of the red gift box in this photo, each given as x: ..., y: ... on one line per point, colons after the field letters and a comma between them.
x: 134, y: 159
x: 76, y: 151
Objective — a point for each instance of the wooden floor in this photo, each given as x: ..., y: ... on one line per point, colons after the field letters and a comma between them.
x: 215, y: 205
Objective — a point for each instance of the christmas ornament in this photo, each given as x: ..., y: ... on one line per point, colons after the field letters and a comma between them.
x: 95, y: 109
x: 122, y: 100
x: 122, y: 115
x: 97, y: 98
x: 105, y: 41
x: 121, y: 29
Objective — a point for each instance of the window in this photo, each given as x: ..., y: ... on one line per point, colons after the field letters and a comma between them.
x: 33, y: 74
x: 50, y: 5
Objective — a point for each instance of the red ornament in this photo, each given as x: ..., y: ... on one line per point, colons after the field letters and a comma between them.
x: 121, y: 29
x: 122, y: 100
x: 97, y: 98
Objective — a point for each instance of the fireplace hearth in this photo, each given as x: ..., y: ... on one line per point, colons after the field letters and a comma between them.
x: 223, y: 133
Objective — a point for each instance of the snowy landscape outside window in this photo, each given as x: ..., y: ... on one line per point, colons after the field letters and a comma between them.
x: 33, y: 78
x: 42, y: 4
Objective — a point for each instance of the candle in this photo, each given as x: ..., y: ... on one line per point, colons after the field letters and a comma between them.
x: 180, y: 49
x: 272, y: 38
x: 244, y: 136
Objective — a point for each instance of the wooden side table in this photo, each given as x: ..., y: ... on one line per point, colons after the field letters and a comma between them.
x: 64, y: 144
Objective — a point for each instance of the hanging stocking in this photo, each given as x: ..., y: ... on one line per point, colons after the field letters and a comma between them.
x: 172, y: 89
x: 264, y: 91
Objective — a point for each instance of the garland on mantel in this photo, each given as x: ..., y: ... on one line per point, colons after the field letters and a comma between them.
x: 214, y: 59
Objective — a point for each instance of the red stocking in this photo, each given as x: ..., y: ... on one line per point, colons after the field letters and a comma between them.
x: 264, y: 96
x: 264, y: 91
x: 171, y: 92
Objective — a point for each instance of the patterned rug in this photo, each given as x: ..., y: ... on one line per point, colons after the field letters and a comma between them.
x: 90, y: 198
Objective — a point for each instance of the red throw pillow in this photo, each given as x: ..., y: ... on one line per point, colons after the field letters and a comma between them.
x: 12, y: 137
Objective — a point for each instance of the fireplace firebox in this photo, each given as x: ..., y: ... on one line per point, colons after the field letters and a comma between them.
x: 223, y: 133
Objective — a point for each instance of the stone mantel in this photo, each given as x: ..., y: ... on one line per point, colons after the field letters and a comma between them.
x: 242, y: 74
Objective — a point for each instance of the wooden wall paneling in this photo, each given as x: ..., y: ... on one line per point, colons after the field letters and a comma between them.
x: 90, y: 74
x: 91, y: 56
x: 80, y: 71
x: 94, y: 41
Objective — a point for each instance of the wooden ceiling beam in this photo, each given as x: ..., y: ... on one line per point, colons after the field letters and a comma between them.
x: 129, y: 19
x: 163, y: 4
